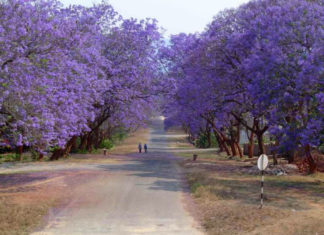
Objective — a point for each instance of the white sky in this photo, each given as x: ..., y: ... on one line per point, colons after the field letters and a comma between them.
x: 174, y: 16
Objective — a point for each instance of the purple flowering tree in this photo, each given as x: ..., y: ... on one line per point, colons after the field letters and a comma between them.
x: 66, y: 71
x: 257, y: 67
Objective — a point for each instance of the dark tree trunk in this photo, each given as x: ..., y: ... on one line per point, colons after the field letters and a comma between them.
x: 89, y: 143
x: 56, y: 154
x: 220, y: 145
x: 233, y: 141
x: 291, y: 156
x: 191, y: 138
x: 310, y: 160
x: 40, y: 156
x: 239, y: 149
x: 226, y: 148
x: 222, y: 142
x: 251, y: 144
x: 250, y: 149
x: 101, y: 137
x: 275, y: 159
x: 233, y: 148
x: 274, y: 152
x: 96, y: 136
x: 69, y: 145
x: 208, y: 136
x: 19, y: 152
x: 74, y: 144
x: 260, y: 143
x: 238, y: 139
x: 83, y: 143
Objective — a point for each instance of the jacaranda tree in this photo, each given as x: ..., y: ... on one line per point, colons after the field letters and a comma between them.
x: 66, y: 71
x: 257, y: 67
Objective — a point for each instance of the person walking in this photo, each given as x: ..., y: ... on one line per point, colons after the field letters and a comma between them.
x: 145, y: 148
x: 139, y: 147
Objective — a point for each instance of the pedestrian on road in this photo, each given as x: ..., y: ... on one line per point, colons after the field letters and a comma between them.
x: 145, y: 148
x: 139, y: 147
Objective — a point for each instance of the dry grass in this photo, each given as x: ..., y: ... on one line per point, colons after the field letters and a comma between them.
x: 227, y: 198
x: 19, y: 218
x: 25, y: 198
x: 229, y: 202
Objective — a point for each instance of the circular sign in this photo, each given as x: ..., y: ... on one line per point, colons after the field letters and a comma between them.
x: 263, y: 162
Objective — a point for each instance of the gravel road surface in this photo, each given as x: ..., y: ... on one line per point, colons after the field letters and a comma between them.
x: 140, y: 194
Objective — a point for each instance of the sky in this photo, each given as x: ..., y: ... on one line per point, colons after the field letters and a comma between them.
x: 175, y: 16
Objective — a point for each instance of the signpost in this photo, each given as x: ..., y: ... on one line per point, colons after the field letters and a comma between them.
x: 262, y: 165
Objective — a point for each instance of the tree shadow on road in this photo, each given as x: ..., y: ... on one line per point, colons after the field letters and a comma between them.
x: 169, y: 177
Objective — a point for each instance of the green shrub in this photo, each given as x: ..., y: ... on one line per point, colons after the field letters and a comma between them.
x: 81, y: 151
x: 194, y: 187
x: 78, y: 142
x: 118, y: 136
x: 9, y: 157
x: 202, y: 141
x: 321, y: 148
x: 106, y: 144
x: 53, y: 148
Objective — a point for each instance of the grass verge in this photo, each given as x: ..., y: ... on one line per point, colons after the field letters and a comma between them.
x: 20, y: 218
x: 227, y: 197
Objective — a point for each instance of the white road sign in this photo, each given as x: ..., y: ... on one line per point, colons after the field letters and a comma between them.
x: 263, y: 162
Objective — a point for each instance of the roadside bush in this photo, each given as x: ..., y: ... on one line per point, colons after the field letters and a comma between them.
x: 321, y: 148
x: 9, y: 157
x: 106, y: 144
x: 119, y: 136
x: 195, y: 186
x: 202, y: 141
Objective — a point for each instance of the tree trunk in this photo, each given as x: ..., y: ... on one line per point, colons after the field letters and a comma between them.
x: 220, y: 145
x: 40, y: 156
x: 101, y: 137
x: 275, y: 159
x: 208, y: 136
x: 69, y: 145
x: 222, y: 142
x: 238, y: 140
x: 251, y: 144
x: 233, y: 148
x: 56, y: 154
x: 20, y: 151
x: 239, y: 149
x: 233, y: 141
x: 311, y: 162
x: 96, y: 137
x: 274, y: 152
x: 191, y: 138
x: 89, y: 143
x: 260, y: 143
x: 226, y: 148
x: 291, y: 156
x: 250, y: 149
x: 74, y: 144
x: 83, y: 143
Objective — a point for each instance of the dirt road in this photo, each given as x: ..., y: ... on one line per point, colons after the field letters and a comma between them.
x: 140, y: 194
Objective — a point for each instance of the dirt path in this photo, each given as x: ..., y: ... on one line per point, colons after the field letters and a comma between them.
x: 137, y: 194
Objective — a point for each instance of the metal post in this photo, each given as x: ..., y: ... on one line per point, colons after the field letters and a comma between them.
x: 262, y: 182
x: 262, y: 165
